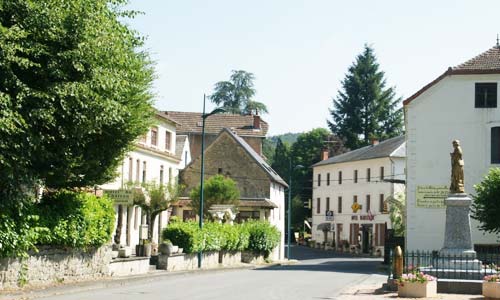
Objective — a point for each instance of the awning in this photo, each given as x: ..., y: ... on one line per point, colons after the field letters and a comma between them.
x: 324, y: 226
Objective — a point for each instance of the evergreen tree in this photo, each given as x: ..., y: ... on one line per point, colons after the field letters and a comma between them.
x: 235, y: 95
x: 364, y: 108
x: 281, y: 159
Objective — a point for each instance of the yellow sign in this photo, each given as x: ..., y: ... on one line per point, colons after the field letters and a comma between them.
x: 355, y: 207
x: 124, y: 197
x: 431, y: 196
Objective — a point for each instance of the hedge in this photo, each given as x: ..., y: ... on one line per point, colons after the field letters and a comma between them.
x: 254, y: 236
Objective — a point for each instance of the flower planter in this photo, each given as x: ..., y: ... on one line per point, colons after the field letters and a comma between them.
x: 417, y: 289
x: 491, y: 290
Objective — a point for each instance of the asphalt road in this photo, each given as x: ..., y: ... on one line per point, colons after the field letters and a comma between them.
x: 318, y: 275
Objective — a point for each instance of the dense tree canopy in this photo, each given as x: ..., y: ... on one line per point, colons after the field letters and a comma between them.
x: 217, y: 190
x: 74, y: 92
x: 364, y: 108
x: 236, y: 95
x: 486, y: 205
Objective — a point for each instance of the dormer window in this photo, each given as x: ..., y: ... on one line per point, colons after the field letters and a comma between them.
x: 486, y: 95
x: 168, y: 140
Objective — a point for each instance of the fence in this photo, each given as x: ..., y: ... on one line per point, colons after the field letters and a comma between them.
x: 449, y: 266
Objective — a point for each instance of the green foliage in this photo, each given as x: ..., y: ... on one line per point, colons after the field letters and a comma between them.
x: 217, y: 190
x: 486, y: 205
x: 236, y: 95
x: 364, y: 107
x: 72, y: 79
x: 397, y: 212
x: 77, y: 220
x: 264, y: 237
x: 256, y: 236
x: 281, y: 161
x: 18, y: 234
x: 161, y: 197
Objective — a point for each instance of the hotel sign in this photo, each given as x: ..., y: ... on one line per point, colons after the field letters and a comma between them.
x: 123, y: 197
x: 431, y: 196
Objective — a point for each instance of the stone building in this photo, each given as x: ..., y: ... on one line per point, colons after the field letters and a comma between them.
x: 262, y: 190
x: 250, y: 128
x: 460, y: 104
x: 351, y: 191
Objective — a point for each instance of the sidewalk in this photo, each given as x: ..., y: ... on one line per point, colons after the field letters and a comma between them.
x: 371, y: 288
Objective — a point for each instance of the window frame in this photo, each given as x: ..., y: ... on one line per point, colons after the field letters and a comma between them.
x: 485, y: 103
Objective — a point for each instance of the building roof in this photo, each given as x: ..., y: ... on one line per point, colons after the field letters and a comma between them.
x: 180, y: 142
x: 393, y: 147
x: 256, y: 157
x: 487, y: 62
x: 190, y: 122
x: 164, y: 116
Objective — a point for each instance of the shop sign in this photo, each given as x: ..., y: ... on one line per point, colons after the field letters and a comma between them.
x: 123, y: 197
x: 329, y: 215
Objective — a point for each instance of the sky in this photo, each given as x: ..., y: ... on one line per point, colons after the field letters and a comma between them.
x: 299, y: 51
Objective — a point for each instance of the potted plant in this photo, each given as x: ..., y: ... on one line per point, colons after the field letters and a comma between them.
x: 166, y: 248
x: 417, y: 285
x: 147, y: 248
x: 491, y: 286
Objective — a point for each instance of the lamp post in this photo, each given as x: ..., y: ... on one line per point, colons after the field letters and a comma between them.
x: 289, y: 230
x: 204, y: 116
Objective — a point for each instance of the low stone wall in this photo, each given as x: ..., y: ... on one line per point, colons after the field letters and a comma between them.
x: 129, y: 266
x: 51, y: 265
x: 230, y: 258
x: 183, y: 262
x: 252, y: 258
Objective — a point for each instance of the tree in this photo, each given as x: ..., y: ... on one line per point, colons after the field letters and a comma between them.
x: 281, y: 159
x: 486, y: 205
x: 364, y: 108
x: 397, y: 213
x: 74, y: 93
x: 217, y: 190
x: 160, y: 197
x: 236, y: 95
x: 306, y: 151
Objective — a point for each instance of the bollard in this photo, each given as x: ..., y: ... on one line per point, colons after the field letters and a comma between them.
x: 398, y: 263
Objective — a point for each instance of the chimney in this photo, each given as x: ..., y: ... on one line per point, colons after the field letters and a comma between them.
x: 374, y: 141
x: 256, y: 122
x: 324, y: 154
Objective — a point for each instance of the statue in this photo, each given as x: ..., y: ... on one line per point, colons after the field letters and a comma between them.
x: 457, y: 169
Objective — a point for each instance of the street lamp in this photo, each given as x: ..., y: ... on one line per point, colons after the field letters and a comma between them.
x: 204, y: 116
x: 290, y: 207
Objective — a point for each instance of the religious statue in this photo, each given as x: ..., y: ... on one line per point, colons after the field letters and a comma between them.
x: 457, y: 169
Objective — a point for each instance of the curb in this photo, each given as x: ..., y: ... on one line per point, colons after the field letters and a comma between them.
x: 108, y: 282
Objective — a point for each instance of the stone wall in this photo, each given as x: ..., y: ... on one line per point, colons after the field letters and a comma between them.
x: 183, y: 262
x: 250, y: 257
x: 52, y: 265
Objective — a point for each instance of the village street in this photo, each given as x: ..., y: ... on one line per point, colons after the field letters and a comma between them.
x: 317, y: 275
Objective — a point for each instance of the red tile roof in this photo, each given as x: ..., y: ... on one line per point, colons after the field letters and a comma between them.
x: 487, y: 62
x: 190, y: 122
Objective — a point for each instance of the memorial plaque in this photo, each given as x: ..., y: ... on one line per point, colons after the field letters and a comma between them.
x: 431, y: 196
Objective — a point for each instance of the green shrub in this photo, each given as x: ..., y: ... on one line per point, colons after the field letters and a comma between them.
x: 236, y: 237
x: 18, y: 234
x: 264, y: 237
x: 77, y: 220
x: 186, y: 235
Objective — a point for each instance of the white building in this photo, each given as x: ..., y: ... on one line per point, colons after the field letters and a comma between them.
x: 365, y: 176
x: 153, y: 159
x: 460, y: 104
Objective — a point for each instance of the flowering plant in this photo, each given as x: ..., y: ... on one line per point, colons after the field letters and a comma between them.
x: 492, y: 278
x: 415, y: 276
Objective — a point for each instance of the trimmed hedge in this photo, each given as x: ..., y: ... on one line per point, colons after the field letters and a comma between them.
x: 77, y: 220
x: 254, y: 236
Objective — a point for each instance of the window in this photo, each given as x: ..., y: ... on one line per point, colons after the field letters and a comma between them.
x: 154, y: 136
x: 368, y: 204
x: 355, y: 176
x: 168, y: 138
x: 137, y: 171
x: 486, y: 95
x: 188, y: 215
x: 381, y: 203
x: 381, y: 173
x: 327, y: 204
x: 495, y: 145
x: 318, y: 206
x: 130, y: 169
x: 161, y: 175
x: 245, y: 215
x: 340, y: 177
x: 355, y: 199
x: 219, y: 171
x: 327, y: 178
x: 339, y: 209
x: 319, y: 179
x: 143, y: 172
x: 368, y: 175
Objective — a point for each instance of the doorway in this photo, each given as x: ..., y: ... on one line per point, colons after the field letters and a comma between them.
x: 366, y: 237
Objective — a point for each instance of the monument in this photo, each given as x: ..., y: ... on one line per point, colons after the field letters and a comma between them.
x: 457, y: 236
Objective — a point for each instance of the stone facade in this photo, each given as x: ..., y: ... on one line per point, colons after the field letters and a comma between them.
x: 53, y: 265
x: 227, y: 158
